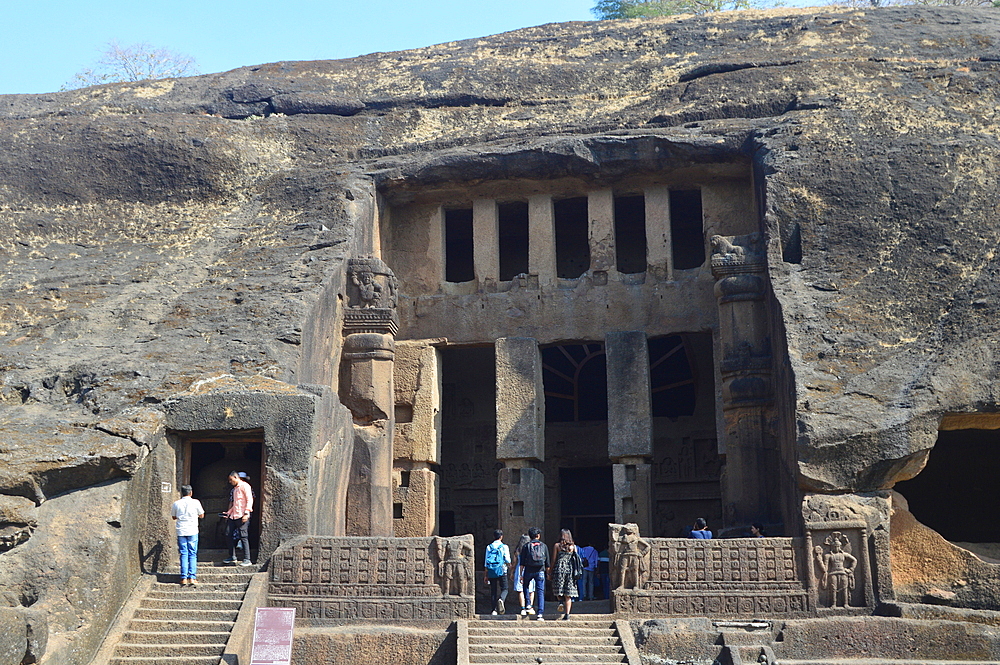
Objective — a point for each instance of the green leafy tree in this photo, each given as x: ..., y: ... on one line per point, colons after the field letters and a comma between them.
x: 135, y: 62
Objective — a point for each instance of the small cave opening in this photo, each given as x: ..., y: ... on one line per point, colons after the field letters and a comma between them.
x: 572, y: 239
x: 630, y: 233
x: 512, y: 231
x: 686, y: 230
x: 952, y: 495
x: 459, y: 265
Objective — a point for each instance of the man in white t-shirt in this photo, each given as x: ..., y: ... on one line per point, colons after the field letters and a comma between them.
x: 186, y: 512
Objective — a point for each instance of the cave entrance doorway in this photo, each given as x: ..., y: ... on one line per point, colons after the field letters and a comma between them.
x: 208, y: 458
x: 952, y: 493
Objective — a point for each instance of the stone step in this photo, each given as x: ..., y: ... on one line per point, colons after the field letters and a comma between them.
x: 174, y: 587
x: 180, y: 614
x: 213, y: 574
x: 191, y: 605
x: 156, y: 650
x: 182, y: 625
x: 539, y: 649
x: 610, y: 640
x: 165, y: 660
x: 556, y: 630
x: 174, y: 637
x: 194, y: 593
x: 552, y: 659
x: 877, y: 661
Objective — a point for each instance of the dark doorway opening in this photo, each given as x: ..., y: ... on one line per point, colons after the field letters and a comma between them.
x: 208, y: 458
x: 630, y: 233
x: 575, y: 377
x: 951, y: 493
x: 459, y: 265
x: 587, y: 504
x: 512, y: 228
x: 468, y: 471
x: 686, y: 229
x: 572, y: 237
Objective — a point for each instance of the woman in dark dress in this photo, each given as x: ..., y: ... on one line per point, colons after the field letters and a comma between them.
x: 565, y: 588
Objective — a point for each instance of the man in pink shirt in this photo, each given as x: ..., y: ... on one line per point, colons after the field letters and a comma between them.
x: 240, y: 508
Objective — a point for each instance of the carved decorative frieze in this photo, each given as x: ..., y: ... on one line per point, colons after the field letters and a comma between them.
x: 344, y: 578
x: 738, y: 577
x: 737, y: 254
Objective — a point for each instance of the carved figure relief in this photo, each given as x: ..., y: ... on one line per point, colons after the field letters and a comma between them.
x: 370, y: 291
x: 836, y: 567
x: 629, y: 560
x: 454, y: 566
x: 371, y: 297
x: 722, y: 245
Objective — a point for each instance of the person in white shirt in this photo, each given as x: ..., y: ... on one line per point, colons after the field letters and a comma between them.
x: 186, y: 512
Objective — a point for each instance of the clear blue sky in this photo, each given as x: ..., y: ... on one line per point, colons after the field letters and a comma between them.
x: 44, y: 42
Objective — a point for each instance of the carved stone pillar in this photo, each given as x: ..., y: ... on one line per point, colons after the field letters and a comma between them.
x: 745, y: 365
x: 417, y: 438
x: 520, y: 434
x: 366, y: 388
x: 630, y: 426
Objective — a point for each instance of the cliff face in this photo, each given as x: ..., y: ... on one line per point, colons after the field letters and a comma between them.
x: 158, y: 233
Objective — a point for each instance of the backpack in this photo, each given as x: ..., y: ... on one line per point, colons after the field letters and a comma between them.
x: 577, y: 565
x: 495, y: 564
x: 533, y: 555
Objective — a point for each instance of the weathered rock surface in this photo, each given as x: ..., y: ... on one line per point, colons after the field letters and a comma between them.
x: 158, y: 233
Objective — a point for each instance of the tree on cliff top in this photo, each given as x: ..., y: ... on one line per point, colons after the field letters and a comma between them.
x: 134, y: 62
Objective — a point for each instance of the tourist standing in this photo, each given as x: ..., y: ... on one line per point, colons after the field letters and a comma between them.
x: 566, y: 562
x: 757, y: 530
x: 534, y: 558
x: 186, y: 512
x: 497, y: 561
x: 589, y: 557
x: 700, y: 529
x: 522, y: 591
x: 240, y: 509
x: 604, y: 572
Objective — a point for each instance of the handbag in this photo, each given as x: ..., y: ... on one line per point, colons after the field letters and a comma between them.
x: 577, y: 564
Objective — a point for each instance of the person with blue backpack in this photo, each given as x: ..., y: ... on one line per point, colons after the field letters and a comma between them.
x: 497, y: 561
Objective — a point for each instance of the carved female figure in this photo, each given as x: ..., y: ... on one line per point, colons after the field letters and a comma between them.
x: 838, y: 569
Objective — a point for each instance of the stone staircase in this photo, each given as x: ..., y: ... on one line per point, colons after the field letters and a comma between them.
x: 509, y: 641
x: 183, y: 625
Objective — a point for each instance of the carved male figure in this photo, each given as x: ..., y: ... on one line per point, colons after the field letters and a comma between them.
x: 630, y: 559
x: 454, y: 566
x: 838, y: 569
x: 369, y: 290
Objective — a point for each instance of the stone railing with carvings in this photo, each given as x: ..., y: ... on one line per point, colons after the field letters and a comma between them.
x: 333, y: 580
x: 733, y: 577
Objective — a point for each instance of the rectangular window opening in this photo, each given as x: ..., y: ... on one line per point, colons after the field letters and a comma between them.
x: 686, y: 229
x: 630, y: 472
x: 404, y: 413
x: 572, y: 241
x: 630, y: 233
x: 397, y: 511
x: 517, y: 510
x: 404, y: 478
x: 515, y: 476
x: 628, y: 506
x: 459, y: 265
x: 512, y: 228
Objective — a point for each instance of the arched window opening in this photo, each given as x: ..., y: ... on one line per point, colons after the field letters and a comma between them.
x: 575, y: 378
x: 671, y: 377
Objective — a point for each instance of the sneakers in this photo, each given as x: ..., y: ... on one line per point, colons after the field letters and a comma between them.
x: 531, y: 611
x: 564, y: 617
x: 561, y: 608
x: 500, y: 607
x: 231, y: 559
x: 245, y: 562
x: 524, y: 611
x: 493, y: 613
x: 193, y: 582
x: 185, y: 582
x: 540, y: 619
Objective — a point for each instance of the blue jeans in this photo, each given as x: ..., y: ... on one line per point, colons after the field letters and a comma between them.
x: 538, y: 575
x: 585, y: 585
x: 188, y: 546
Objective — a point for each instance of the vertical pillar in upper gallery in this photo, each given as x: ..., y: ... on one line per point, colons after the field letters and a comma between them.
x: 745, y: 365
x: 601, y: 234
x: 486, y: 244
x: 366, y: 387
x: 520, y: 434
x: 630, y: 426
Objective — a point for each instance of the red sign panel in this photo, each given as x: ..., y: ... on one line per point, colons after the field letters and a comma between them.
x: 272, y: 636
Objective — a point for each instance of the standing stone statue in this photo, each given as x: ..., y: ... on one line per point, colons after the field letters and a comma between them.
x: 628, y: 558
x: 455, y: 565
x: 837, y: 568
